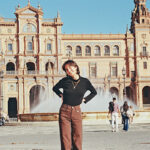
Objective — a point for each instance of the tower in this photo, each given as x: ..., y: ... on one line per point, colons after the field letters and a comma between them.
x: 140, y: 15
x: 140, y: 28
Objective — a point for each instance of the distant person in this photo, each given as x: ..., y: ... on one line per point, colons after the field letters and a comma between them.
x: 131, y: 114
x: 110, y: 110
x: 70, y: 120
x: 4, y: 118
x: 121, y: 111
x: 115, y: 114
x: 125, y: 116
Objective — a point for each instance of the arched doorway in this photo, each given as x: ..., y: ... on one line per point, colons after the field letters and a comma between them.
x: 146, y: 95
x: 12, y: 107
x: 49, y: 67
x: 114, y: 91
x: 35, y: 95
x: 129, y: 93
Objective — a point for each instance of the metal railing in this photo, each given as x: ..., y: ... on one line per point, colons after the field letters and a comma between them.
x: 11, y: 72
x: 27, y: 72
x: 48, y: 20
x: 144, y: 54
x: 88, y: 54
x: 106, y: 54
x: 78, y: 54
x: 30, y: 51
x: 9, y: 19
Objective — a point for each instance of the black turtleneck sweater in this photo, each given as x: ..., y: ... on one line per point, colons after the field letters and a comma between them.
x: 74, y: 90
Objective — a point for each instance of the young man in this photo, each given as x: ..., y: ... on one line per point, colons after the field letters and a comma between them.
x: 115, y: 116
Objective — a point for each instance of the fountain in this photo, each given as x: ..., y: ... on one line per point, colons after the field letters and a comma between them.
x: 49, y: 105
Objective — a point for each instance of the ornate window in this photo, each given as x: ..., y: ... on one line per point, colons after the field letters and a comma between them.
x: 145, y: 65
x: 93, y: 70
x: 114, y: 71
x: 0, y: 46
x: 30, y: 46
x: 113, y: 68
x: 49, y: 48
x: 87, y: 51
x: 106, y: 51
x: 143, y: 20
x: 29, y: 28
x: 78, y: 51
x: 68, y: 51
x: 29, y: 40
x: 97, y: 51
x: 10, y: 47
x: 144, y: 51
x: 133, y: 75
x: 116, y: 50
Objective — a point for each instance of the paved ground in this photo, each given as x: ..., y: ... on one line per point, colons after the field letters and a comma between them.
x: 96, y: 136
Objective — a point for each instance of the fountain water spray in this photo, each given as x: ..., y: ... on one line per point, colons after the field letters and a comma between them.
x: 50, y: 102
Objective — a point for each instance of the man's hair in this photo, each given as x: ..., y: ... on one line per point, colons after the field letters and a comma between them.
x: 71, y: 63
x: 114, y: 98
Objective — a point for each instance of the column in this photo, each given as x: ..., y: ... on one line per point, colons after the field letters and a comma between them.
x: 20, y: 95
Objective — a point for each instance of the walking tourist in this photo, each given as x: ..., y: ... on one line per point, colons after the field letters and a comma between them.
x: 131, y: 114
x: 125, y: 116
x: 110, y: 110
x: 70, y: 120
x: 121, y: 111
x: 115, y: 116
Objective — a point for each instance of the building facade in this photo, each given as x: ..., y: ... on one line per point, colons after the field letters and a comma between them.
x: 33, y: 49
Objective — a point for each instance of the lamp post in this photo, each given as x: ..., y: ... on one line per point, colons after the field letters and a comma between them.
x: 2, y: 63
x: 108, y: 78
x: 124, y: 74
x: 1, y: 96
x: 69, y: 54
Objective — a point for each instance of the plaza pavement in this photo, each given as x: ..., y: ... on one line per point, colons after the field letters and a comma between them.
x: 97, y: 135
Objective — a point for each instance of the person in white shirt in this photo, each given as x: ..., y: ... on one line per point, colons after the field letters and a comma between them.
x: 115, y: 116
x: 131, y: 114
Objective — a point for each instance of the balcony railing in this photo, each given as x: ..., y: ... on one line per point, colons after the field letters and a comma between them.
x: 78, y: 54
x: 88, y: 54
x: 144, y: 78
x: 97, y: 54
x: 30, y: 52
x: 107, y: 54
x: 9, y: 19
x: 10, y: 52
x: 115, y: 54
x: 11, y: 72
x: 35, y: 72
x: 144, y: 54
x: 27, y: 72
x: 31, y: 72
x: 48, y: 20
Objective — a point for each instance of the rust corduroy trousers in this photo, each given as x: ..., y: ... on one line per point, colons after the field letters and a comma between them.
x: 70, y: 124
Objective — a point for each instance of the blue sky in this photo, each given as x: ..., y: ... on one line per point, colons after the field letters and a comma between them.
x: 81, y: 16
